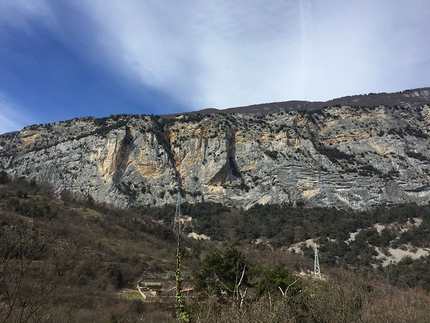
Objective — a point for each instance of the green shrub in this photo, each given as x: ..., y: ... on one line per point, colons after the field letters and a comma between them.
x: 115, y: 274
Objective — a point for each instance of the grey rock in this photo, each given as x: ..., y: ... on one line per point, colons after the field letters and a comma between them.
x: 339, y: 156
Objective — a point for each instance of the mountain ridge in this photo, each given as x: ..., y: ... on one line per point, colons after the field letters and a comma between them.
x: 338, y: 155
x: 415, y: 97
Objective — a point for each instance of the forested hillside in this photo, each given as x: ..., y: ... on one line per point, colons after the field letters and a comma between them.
x: 73, y: 260
x: 346, y: 238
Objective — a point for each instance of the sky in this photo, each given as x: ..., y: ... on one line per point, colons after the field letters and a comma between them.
x: 62, y: 59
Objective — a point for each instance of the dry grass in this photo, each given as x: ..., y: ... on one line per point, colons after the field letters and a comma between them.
x: 80, y: 242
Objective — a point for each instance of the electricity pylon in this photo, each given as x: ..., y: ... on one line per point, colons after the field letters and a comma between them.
x: 177, y: 222
x: 317, y: 271
x: 181, y: 313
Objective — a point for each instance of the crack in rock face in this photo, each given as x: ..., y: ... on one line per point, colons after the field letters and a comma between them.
x: 337, y: 156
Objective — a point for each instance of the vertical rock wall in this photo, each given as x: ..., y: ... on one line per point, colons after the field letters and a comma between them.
x: 337, y: 156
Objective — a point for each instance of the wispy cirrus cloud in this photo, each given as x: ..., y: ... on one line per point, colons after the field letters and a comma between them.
x: 206, y: 54
x: 368, y: 46
x: 17, y: 13
x: 227, y: 53
x: 218, y: 53
x: 12, y: 117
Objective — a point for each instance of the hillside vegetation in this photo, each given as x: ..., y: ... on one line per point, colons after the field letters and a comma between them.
x: 64, y: 260
x: 69, y: 260
x: 346, y: 238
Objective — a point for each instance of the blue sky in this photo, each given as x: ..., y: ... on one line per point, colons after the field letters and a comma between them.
x: 61, y: 59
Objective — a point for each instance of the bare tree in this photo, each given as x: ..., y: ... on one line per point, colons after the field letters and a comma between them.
x: 28, y: 276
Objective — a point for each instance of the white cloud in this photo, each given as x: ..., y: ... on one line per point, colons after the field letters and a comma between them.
x: 218, y: 53
x: 12, y: 117
x: 225, y: 53
x: 17, y: 12
x: 368, y: 46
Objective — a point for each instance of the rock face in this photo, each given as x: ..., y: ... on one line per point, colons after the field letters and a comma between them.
x: 340, y: 156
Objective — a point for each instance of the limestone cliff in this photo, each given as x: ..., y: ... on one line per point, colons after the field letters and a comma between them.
x: 340, y: 156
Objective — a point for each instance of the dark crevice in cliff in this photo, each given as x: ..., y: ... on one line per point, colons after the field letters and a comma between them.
x: 229, y: 172
x: 121, y: 160
x: 160, y: 129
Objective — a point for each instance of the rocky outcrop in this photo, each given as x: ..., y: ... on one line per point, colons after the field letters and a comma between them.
x: 340, y: 156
